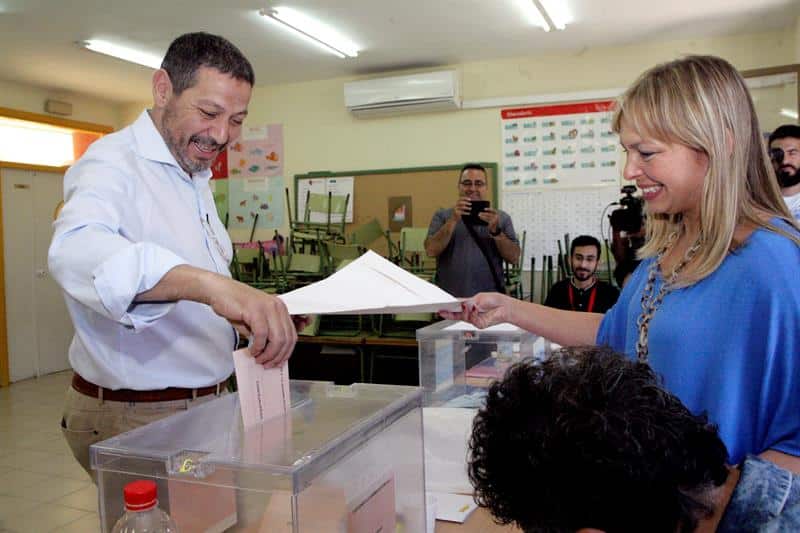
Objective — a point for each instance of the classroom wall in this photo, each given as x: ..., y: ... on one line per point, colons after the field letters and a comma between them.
x: 797, y: 41
x: 319, y: 134
x: 23, y: 97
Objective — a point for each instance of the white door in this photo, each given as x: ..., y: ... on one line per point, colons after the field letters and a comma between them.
x: 39, y: 328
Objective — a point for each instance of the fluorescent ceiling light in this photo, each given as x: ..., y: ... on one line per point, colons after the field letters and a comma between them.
x: 789, y: 113
x: 312, y: 30
x: 547, y: 14
x: 122, y: 52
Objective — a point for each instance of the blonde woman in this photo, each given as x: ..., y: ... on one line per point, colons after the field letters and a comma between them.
x: 714, y: 307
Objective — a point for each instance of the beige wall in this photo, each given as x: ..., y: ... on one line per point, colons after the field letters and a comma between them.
x: 797, y: 41
x: 321, y: 135
x: 84, y: 108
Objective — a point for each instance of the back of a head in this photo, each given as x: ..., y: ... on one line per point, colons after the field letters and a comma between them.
x: 584, y: 240
x: 589, y: 439
x: 191, y: 51
x: 702, y: 102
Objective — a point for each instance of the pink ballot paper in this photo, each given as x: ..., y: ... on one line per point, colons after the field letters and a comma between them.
x: 263, y: 392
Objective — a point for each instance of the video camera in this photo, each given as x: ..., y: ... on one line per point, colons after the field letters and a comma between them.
x: 628, y: 218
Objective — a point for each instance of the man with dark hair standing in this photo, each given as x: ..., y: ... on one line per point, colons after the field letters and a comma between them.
x: 583, y: 291
x: 142, y: 256
x: 469, y: 255
x: 784, y: 149
x: 589, y: 441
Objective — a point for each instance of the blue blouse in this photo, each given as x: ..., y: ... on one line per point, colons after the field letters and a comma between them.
x: 728, y: 345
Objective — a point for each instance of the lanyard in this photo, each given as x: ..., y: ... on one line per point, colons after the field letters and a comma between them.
x: 591, y: 298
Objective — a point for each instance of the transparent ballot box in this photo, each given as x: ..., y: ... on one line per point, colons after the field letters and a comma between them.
x: 344, y: 459
x: 457, y: 362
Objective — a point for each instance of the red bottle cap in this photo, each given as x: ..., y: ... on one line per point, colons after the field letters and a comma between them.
x: 140, y: 495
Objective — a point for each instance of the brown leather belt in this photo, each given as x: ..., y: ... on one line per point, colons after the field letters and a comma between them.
x: 128, y: 395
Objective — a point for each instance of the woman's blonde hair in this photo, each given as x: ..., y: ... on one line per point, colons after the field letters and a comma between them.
x: 702, y: 103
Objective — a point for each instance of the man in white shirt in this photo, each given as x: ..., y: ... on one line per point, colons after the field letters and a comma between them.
x: 142, y: 256
x: 784, y: 149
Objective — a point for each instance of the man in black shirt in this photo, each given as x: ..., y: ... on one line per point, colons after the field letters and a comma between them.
x: 583, y: 291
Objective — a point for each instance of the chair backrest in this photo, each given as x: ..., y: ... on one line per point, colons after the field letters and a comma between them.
x: 412, y: 250
x: 247, y: 255
x: 366, y: 234
x: 337, y: 252
x: 309, y: 263
x: 247, y: 264
x: 412, y: 240
x: 325, y: 208
x: 513, y: 271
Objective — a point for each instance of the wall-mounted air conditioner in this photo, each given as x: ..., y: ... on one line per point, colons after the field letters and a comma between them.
x: 428, y: 91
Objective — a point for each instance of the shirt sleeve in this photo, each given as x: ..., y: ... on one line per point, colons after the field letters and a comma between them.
x: 93, y: 259
x: 507, y: 227
x: 438, y: 220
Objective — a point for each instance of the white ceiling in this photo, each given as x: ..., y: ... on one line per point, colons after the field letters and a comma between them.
x: 37, y: 36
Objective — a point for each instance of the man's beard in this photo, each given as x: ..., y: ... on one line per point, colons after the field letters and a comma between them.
x: 583, y: 275
x: 787, y: 180
x: 178, y: 147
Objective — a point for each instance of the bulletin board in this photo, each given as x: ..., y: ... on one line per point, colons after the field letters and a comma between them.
x: 430, y: 188
x: 561, y: 170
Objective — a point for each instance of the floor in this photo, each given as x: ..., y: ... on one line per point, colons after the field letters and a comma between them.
x: 42, y: 488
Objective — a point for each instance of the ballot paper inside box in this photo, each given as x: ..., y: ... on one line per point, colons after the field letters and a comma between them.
x: 457, y: 364
x: 343, y: 459
x: 457, y: 361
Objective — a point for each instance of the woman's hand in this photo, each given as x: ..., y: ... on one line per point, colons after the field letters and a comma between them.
x: 483, y: 310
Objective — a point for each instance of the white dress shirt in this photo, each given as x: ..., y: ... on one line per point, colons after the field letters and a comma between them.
x: 131, y: 214
x: 793, y: 203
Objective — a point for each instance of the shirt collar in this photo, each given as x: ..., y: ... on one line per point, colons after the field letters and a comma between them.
x: 151, y: 146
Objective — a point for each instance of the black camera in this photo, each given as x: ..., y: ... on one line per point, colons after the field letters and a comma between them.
x: 776, y: 154
x: 628, y: 218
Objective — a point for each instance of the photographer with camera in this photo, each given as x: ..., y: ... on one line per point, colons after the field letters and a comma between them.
x: 583, y: 291
x: 471, y: 240
x: 627, y: 225
x: 784, y: 150
x: 714, y: 307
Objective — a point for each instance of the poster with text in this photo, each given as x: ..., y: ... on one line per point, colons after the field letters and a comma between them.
x: 561, y: 171
x: 339, y: 186
x: 255, y: 182
x: 559, y: 146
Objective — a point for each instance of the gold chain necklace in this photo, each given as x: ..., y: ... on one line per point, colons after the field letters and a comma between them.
x: 651, y: 303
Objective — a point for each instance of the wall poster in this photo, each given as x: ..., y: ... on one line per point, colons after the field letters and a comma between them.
x: 561, y: 167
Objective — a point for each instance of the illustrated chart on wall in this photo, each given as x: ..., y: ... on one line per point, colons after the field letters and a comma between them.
x: 337, y: 186
x: 560, y: 169
x: 248, y: 179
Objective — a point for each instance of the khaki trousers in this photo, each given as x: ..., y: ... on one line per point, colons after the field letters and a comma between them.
x: 88, y: 420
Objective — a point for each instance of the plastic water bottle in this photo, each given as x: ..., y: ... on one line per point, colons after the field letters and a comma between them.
x: 142, y: 514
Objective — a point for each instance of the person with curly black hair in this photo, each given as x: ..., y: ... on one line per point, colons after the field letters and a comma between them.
x: 589, y: 440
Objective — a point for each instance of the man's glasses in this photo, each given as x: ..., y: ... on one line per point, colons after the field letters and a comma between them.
x: 476, y: 184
